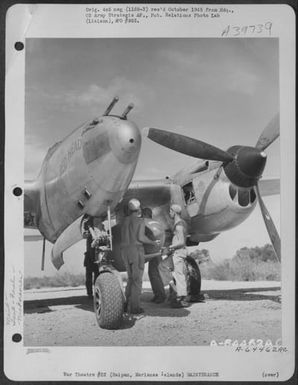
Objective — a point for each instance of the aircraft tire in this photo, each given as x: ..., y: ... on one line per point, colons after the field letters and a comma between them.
x: 193, y: 280
x: 108, y: 301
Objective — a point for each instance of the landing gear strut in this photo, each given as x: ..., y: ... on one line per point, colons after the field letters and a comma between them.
x: 108, y: 289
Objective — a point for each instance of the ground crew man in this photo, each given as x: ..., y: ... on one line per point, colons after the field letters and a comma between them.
x: 132, y: 239
x: 90, y: 257
x: 178, y: 247
x: 158, y: 289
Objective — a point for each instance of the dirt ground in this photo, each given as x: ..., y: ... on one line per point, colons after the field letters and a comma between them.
x: 233, y: 310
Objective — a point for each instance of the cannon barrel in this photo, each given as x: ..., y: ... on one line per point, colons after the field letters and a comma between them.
x: 127, y: 110
x: 109, y: 109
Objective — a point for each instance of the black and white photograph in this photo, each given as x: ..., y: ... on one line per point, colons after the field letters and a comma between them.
x: 156, y: 188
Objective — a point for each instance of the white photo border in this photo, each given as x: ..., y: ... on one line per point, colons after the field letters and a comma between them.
x: 68, y: 21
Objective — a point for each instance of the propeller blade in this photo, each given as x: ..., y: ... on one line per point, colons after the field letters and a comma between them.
x: 188, y: 146
x: 273, y: 234
x: 269, y: 134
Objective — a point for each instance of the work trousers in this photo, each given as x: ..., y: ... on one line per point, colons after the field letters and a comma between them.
x: 179, y: 272
x: 91, y: 275
x: 133, y: 257
x: 155, y: 279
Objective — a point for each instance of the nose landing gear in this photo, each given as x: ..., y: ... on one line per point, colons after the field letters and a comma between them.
x: 109, y: 294
x: 108, y: 298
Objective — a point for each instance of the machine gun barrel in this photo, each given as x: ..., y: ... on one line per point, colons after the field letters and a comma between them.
x: 126, y: 111
x: 109, y: 109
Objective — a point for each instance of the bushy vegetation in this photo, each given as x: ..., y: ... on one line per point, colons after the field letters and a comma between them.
x: 58, y: 280
x: 249, y: 264
x: 200, y: 255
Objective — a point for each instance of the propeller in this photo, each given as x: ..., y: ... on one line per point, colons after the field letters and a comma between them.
x: 188, y: 146
x: 273, y: 234
x: 243, y: 165
x: 267, y: 137
x: 269, y: 134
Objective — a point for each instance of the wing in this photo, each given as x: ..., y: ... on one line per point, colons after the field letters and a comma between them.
x: 33, y: 237
x: 31, y: 202
x: 269, y: 187
x: 71, y: 235
x: 153, y: 193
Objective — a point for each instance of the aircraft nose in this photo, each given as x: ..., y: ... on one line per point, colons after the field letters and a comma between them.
x: 125, y: 141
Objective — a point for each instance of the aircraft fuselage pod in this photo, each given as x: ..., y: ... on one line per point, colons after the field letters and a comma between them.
x: 86, y: 173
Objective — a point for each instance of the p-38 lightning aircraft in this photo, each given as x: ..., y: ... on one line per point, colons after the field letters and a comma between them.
x: 89, y: 173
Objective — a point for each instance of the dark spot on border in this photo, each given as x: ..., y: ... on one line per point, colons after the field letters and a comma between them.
x: 17, y: 337
x: 17, y: 191
x: 19, y: 46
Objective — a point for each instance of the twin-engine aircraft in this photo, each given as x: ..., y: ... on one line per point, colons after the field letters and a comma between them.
x: 89, y: 173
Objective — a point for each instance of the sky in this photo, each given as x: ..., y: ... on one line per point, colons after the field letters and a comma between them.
x: 221, y: 91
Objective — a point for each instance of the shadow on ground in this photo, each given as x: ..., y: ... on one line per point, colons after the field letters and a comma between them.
x: 248, y: 294
x: 42, y: 305
x: 151, y: 309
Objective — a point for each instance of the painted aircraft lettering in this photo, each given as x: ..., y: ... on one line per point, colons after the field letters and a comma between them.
x: 75, y: 146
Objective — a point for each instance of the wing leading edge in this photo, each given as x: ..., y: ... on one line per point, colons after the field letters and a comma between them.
x: 150, y: 193
x: 269, y: 187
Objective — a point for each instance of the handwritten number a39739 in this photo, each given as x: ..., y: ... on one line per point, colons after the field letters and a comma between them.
x: 226, y: 31
x: 254, y: 29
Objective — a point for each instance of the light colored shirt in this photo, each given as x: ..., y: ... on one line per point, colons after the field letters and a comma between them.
x: 179, y: 237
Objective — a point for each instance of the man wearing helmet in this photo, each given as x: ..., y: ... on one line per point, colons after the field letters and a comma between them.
x: 132, y: 239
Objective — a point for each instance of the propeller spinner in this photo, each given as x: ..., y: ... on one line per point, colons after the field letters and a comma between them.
x: 247, y: 165
x: 243, y: 165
